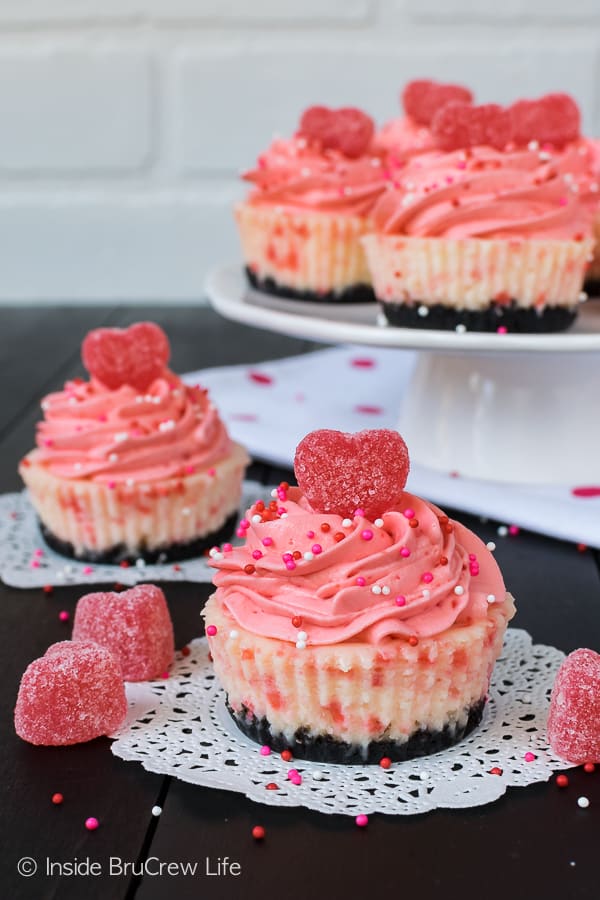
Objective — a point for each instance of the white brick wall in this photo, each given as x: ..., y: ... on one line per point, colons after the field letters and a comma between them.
x: 123, y: 122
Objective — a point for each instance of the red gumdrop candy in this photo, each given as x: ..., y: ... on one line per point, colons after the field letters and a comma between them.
x: 422, y: 98
x: 348, y: 130
x: 134, y: 625
x: 574, y: 717
x: 553, y: 119
x: 458, y: 125
x: 340, y: 472
x: 135, y: 355
x: 72, y: 694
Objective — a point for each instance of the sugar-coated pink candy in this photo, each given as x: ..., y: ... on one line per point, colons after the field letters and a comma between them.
x: 72, y: 694
x: 340, y: 472
x: 574, y: 717
x: 134, y: 625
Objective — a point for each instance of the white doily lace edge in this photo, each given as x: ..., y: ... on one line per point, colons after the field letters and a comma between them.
x: 180, y: 727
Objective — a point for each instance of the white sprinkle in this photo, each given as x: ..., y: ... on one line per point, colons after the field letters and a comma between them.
x: 156, y: 399
x: 582, y: 297
x: 426, y: 594
x: 256, y: 519
x: 378, y: 523
x: 274, y: 492
x: 407, y: 199
x: 77, y: 466
x: 302, y: 636
x: 308, y: 555
x: 491, y: 545
x: 169, y: 425
x: 186, y: 511
x: 305, y: 172
x: 347, y: 191
x: 283, y: 516
x: 233, y: 634
x: 502, y: 531
x: 67, y: 570
x: 594, y: 188
x: 121, y: 436
x: 375, y: 162
x: 544, y: 156
x: 423, y: 311
x: 300, y: 645
x: 533, y: 145
x: 460, y: 328
x: 385, y: 589
x: 375, y: 589
x: 156, y: 810
x: 112, y: 457
x: 215, y: 553
x: 346, y: 523
x: 130, y: 482
x: 583, y: 802
x: 491, y: 598
x: 139, y: 399
x: 424, y: 776
x: 317, y: 776
x: 140, y: 563
x: 72, y: 401
x: 459, y: 590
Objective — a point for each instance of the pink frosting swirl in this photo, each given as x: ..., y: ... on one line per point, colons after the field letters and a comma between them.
x: 402, y: 138
x: 486, y: 193
x: 295, y: 173
x: 103, y: 435
x: 362, y: 580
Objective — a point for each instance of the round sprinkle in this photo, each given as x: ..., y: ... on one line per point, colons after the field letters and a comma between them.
x: 286, y: 755
x: 256, y: 519
x: 325, y: 527
x: 92, y: 823
x: 359, y: 513
x: 491, y: 546
x: 267, y: 542
x: 491, y: 598
x: 409, y: 513
x: 293, y: 773
x: 367, y: 534
x: 426, y: 594
x: 300, y: 645
x: 376, y: 589
x: 362, y: 821
x: 265, y: 750
x: 583, y: 802
x: 346, y: 523
x: 386, y: 590
x: 234, y: 634
x: 589, y: 767
x: 513, y: 529
x: 297, y: 622
x: 249, y: 569
x: 317, y: 776
x: 271, y: 786
x: 562, y: 781
x: 502, y: 531
x: 310, y: 534
x: 529, y: 756
x: 64, y: 616
x: 339, y: 536
x: 308, y: 556
x: 405, y: 552
x: 385, y: 762
x: 211, y: 630
x: 302, y: 636
x: 459, y: 590
x: 360, y: 581
x: 496, y: 771
x: 256, y: 554
x: 57, y: 799
x: 378, y: 523
x: 156, y: 811
x: 316, y: 549
x: 422, y: 311
x: 413, y: 640
x: 258, y: 833
x: 400, y: 600
x: 427, y: 577
x: 460, y: 328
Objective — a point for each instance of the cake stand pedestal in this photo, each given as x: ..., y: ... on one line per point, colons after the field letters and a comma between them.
x: 502, y: 407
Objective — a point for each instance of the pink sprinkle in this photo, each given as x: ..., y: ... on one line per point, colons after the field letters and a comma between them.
x: 316, y: 549
x: 367, y: 534
x: 265, y: 750
x: 256, y: 554
x: 211, y: 630
x: 244, y: 523
x: 562, y: 201
x: 409, y: 513
x: 92, y: 823
x: 287, y: 555
x: 513, y: 529
x: 38, y: 552
x: 427, y: 577
x: 102, y: 418
x: 360, y: 581
x: 472, y: 556
x: 35, y: 563
x: 48, y: 442
x: 165, y: 675
x: 281, y: 510
x: 227, y: 548
x: 461, y: 164
x: 290, y: 565
x: 360, y: 513
x: 63, y: 616
x: 293, y: 773
x: 405, y: 552
x: 297, y: 779
x: 190, y: 470
x: 87, y: 570
x: 502, y: 329
x: 310, y: 534
x: 212, y: 472
x: 267, y: 542
x: 400, y: 600
x: 529, y: 756
x: 112, y: 485
x: 240, y: 532
x: 362, y: 821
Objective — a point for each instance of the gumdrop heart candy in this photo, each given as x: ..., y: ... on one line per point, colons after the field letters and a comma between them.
x: 459, y: 125
x: 348, y: 130
x: 134, y: 625
x: 553, y: 119
x: 135, y: 355
x: 72, y: 694
x: 422, y: 98
x: 574, y: 716
x: 340, y: 473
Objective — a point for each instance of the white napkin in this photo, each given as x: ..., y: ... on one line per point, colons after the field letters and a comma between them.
x: 269, y: 407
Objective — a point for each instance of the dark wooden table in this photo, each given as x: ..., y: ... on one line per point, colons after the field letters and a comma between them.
x: 533, y: 843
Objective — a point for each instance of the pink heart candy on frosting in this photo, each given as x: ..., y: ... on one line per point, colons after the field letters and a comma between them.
x: 340, y: 473
x: 72, y: 694
x: 135, y: 355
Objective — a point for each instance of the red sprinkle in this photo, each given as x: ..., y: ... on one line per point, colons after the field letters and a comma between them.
x: 413, y: 640
x: 286, y: 755
x: 589, y: 767
x: 57, y: 799
x: 185, y: 651
x: 297, y: 623
x: 385, y: 762
x: 496, y: 771
x: 562, y: 781
x: 258, y: 832
x: 47, y: 589
x: 271, y: 786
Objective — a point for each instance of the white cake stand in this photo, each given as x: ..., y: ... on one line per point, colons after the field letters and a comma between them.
x: 511, y: 407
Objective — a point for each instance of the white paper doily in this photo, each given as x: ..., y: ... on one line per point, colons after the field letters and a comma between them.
x: 26, y: 561
x: 180, y: 727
